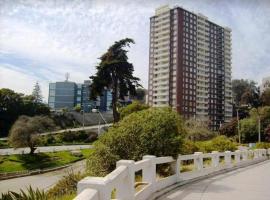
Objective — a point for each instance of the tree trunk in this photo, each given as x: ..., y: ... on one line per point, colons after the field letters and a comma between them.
x: 32, y: 150
x: 116, y: 115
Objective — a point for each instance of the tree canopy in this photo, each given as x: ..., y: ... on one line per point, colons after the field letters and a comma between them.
x: 25, y: 131
x: 13, y: 104
x: 154, y: 131
x: 115, y: 73
x: 37, y: 93
x: 265, y: 97
x: 245, y: 92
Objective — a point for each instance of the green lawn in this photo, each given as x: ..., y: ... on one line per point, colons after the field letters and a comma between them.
x: 14, y: 163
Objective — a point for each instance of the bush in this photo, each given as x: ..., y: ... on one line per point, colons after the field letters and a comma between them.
x: 198, y: 130
x: 220, y: 143
x: 249, y: 130
x: 153, y: 131
x: 30, y: 194
x: 189, y: 147
x: 134, y: 107
x: 262, y: 145
x: 66, y: 186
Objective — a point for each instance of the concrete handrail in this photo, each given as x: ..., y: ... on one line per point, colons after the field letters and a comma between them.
x: 122, y: 179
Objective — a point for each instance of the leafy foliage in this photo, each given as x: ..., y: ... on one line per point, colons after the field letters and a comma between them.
x: 140, y: 95
x: 115, y: 73
x: 37, y: 93
x: 134, y: 107
x: 65, y: 186
x: 25, y: 131
x: 154, y: 131
x: 198, y: 130
x: 78, y: 108
x: 248, y: 130
x: 245, y: 92
x: 265, y: 97
x: 30, y: 194
x: 12, y: 105
x: 249, y: 126
x: 229, y: 129
x: 220, y: 143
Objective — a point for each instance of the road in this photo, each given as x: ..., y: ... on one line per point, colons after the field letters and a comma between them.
x: 70, y: 129
x: 10, y: 151
x: 251, y: 183
x: 41, y: 181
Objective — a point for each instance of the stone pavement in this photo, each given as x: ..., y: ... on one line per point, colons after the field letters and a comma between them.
x: 41, y: 181
x: 44, y: 149
x: 250, y: 183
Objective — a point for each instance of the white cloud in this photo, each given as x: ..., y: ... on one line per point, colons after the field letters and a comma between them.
x: 20, y: 82
x: 55, y: 37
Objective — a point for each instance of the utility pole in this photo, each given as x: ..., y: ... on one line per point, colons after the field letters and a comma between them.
x: 259, y: 129
x: 238, y: 127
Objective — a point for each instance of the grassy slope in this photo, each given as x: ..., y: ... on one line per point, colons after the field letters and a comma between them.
x: 38, y: 161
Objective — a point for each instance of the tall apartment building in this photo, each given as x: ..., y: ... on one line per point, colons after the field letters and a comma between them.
x: 190, y: 65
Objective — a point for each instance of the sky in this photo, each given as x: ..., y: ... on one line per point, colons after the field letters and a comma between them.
x: 41, y: 40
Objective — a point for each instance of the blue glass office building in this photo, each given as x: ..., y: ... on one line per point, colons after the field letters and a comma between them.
x: 69, y: 94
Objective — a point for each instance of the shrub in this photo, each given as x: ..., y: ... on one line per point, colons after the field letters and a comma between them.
x: 198, y: 130
x: 134, y: 107
x: 249, y: 130
x: 262, y: 145
x: 30, y: 194
x: 65, y: 186
x: 153, y: 131
x: 220, y: 143
x: 189, y: 147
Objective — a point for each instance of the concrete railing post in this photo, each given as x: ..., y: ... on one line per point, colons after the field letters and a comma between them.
x: 237, y: 156
x: 228, y: 158
x: 268, y: 152
x: 126, y: 189
x: 97, y: 184
x: 215, y: 159
x: 178, y: 168
x: 256, y: 154
x: 244, y: 155
x: 198, y: 161
x: 149, y: 173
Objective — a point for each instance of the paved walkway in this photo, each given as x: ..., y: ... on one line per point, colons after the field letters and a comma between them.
x: 72, y: 130
x: 10, y: 151
x: 41, y: 181
x: 251, y: 183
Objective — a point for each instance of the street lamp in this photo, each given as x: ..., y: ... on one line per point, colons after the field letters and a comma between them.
x: 97, y: 111
x: 238, y: 126
x: 82, y: 111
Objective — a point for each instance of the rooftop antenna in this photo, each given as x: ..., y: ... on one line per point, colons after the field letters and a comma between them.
x: 67, y: 75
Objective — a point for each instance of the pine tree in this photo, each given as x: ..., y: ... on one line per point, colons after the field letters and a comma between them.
x: 37, y: 93
x: 116, y: 73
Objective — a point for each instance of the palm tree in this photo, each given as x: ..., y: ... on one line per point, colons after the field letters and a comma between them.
x: 114, y: 72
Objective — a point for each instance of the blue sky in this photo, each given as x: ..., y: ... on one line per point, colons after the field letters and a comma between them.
x: 42, y: 40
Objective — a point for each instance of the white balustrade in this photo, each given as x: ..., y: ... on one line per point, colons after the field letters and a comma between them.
x: 122, y: 179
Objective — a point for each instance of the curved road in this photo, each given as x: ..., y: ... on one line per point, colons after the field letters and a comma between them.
x: 41, y: 181
x: 10, y: 151
x: 250, y: 183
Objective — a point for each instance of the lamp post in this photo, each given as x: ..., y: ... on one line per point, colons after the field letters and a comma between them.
x: 82, y: 111
x: 259, y: 128
x: 97, y: 111
x: 238, y: 126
